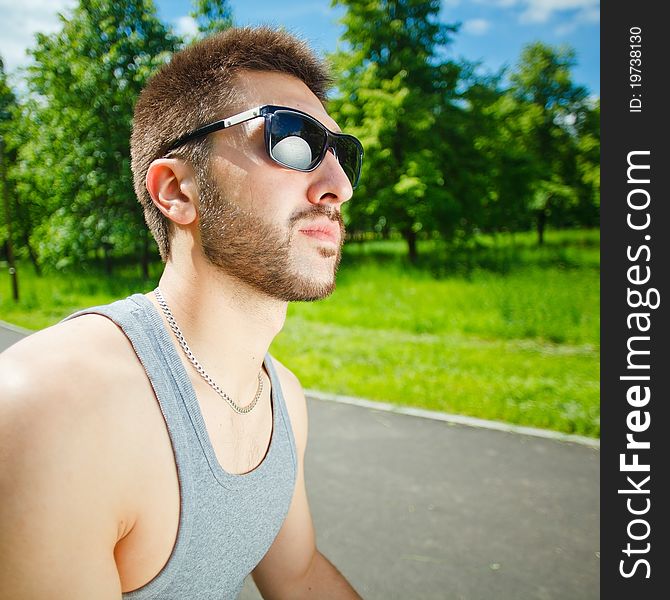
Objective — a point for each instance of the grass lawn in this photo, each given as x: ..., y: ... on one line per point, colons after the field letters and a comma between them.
x: 503, y: 330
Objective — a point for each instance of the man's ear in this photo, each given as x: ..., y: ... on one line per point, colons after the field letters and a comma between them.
x: 171, y: 185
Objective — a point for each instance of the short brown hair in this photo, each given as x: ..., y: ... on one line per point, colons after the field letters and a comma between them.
x: 196, y: 87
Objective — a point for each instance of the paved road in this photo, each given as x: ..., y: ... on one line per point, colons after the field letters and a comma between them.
x: 410, y: 508
x: 9, y: 335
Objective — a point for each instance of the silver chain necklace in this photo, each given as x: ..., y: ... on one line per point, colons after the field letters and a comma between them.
x: 198, y: 367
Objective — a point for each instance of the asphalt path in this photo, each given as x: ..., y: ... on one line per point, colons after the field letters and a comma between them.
x: 413, y: 508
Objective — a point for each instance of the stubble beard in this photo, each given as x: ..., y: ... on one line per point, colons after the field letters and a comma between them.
x: 262, y: 255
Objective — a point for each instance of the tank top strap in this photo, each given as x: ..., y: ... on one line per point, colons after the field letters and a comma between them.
x: 146, y: 333
x: 280, y: 406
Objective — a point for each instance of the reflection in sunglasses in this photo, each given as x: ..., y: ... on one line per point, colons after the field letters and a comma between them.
x: 293, y: 151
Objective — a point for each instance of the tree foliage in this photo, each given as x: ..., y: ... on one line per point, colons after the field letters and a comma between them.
x: 391, y: 87
x: 489, y: 169
x: 7, y: 98
x: 7, y: 108
x: 556, y: 110
x: 74, y: 162
x: 212, y: 16
x: 15, y: 221
x: 450, y: 151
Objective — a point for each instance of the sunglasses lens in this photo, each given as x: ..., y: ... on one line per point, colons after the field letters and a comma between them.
x: 295, y: 141
x: 349, y: 155
x: 299, y: 143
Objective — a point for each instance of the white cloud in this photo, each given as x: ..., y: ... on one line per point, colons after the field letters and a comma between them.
x: 499, y: 3
x: 21, y: 21
x: 541, y: 11
x: 586, y: 17
x: 186, y: 26
x: 476, y: 26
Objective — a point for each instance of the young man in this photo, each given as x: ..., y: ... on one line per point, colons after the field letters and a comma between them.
x: 151, y: 448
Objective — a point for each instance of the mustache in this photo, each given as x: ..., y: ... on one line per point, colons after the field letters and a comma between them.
x: 317, y: 210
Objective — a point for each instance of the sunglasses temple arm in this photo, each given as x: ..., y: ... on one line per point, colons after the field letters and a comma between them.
x: 247, y: 115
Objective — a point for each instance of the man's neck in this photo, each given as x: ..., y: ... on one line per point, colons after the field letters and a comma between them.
x: 228, y: 325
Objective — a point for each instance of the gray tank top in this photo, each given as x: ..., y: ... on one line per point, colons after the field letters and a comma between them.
x: 227, y: 522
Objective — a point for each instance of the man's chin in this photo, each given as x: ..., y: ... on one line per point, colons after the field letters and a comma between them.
x: 302, y: 287
x: 316, y: 297
x: 310, y: 292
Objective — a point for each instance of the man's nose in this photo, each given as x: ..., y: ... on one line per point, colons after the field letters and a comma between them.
x: 331, y: 184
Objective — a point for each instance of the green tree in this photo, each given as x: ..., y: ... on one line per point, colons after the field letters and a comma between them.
x: 7, y: 111
x: 75, y: 161
x: 212, y: 16
x: 509, y: 169
x: 553, y: 104
x: 480, y: 157
x: 7, y: 108
x: 392, y: 86
x: 17, y: 215
x: 7, y: 98
x: 587, y: 157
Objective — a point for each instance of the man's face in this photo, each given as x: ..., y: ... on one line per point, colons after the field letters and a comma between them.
x: 276, y: 229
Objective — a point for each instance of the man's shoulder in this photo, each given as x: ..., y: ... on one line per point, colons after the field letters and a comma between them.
x: 78, y: 347
x: 289, y: 381
x: 71, y: 401
x: 63, y: 373
x: 65, y: 476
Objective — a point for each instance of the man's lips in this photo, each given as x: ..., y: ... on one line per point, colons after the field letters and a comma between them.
x: 326, y: 231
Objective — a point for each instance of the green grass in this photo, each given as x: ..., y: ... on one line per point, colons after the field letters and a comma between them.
x: 520, y: 382
x: 499, y: 330
x: 550, y: 305
x: 47, y: 299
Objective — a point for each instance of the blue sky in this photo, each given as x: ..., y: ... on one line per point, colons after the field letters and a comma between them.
x: 492, y: 31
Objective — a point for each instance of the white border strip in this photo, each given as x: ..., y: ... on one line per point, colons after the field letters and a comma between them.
x: 458, y: 419
x: 15, y: 328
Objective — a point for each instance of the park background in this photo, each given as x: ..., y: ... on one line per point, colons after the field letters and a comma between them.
x: 470, y: 280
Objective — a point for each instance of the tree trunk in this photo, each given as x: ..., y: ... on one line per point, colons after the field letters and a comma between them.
x: 8, y: 222
x: 541, y: 223
x: 32, y: 254
x: 410, y: 237
x: 26, y: 228
x: 107, y: 257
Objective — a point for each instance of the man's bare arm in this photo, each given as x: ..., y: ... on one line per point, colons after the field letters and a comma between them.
x: 293, y: 568
x: 324, y: 581
x: 57, y: 525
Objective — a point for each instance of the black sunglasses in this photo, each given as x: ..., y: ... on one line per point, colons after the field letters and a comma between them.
x: 293, y: 139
